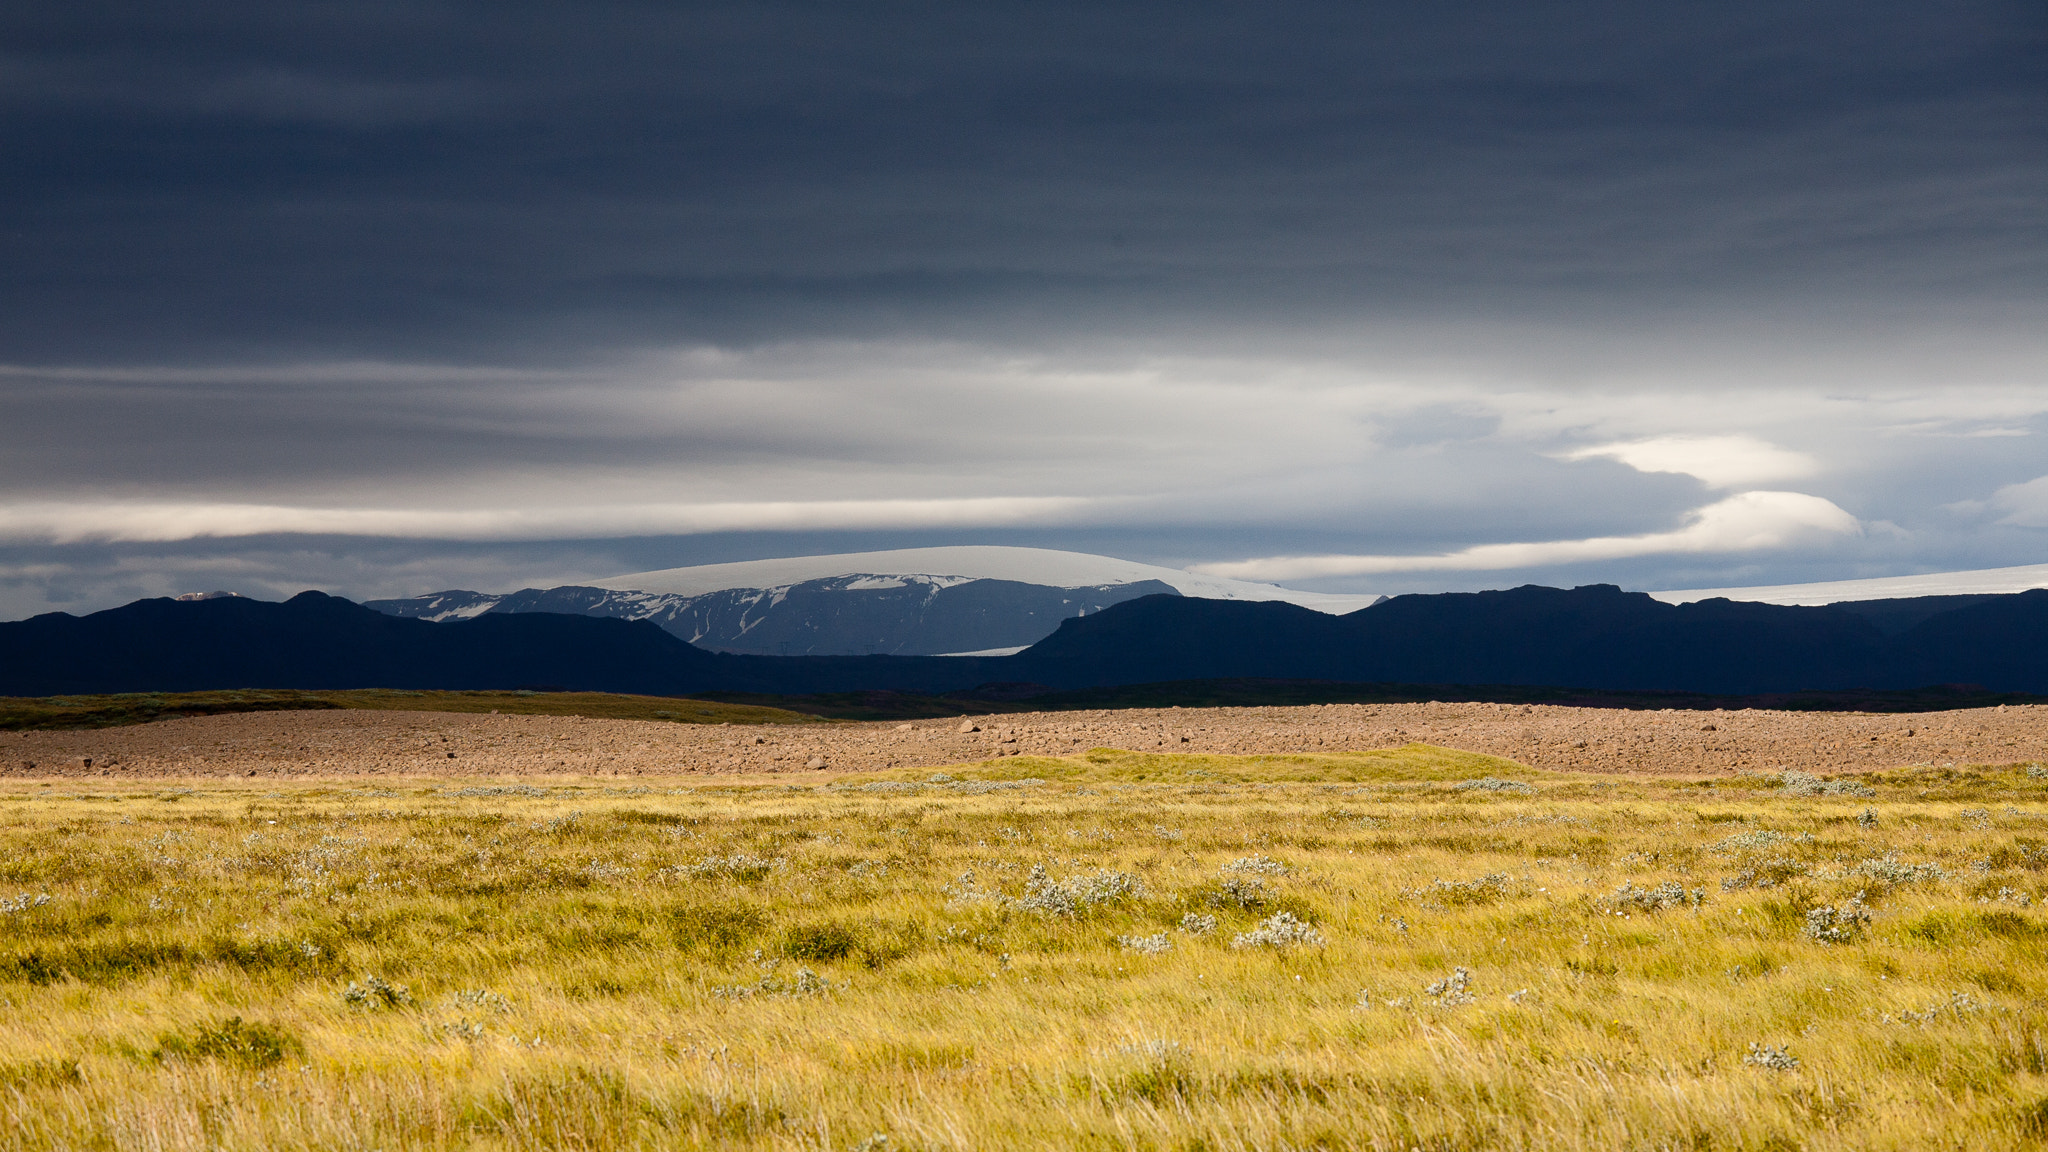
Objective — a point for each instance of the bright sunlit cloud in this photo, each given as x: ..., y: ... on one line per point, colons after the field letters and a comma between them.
x: 1741, y: 523
x: 1722, y: 461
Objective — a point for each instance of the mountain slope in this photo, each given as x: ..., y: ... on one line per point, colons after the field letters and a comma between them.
x: 1592, y: 637
x: 319, y: 641
x: 1596, y: 637
x: 852, y: 614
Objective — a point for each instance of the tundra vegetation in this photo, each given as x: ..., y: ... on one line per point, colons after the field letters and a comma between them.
x: 1111, y: 950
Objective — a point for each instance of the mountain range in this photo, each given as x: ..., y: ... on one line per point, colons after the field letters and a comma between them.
x: 914, y: 614
x: 974, y: 600
x: 1590, y: 637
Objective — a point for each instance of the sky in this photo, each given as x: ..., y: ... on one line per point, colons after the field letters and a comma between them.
x: 387, y: 298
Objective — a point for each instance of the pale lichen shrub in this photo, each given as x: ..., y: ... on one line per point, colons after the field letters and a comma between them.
x: 1829, y: 924
x: 1960, y: 1005
x: 1770, y: 1056
x: 1764, y: 874
x: 1808, y: 784
x: 984, y: 787
x: 805, y: 983
x: 1196, y: 924
x: 1256, y: 866
x: 482, y: 998
x: 1452, y: 990
x: 1156, y: 1049
x: 2007, y: 895
x: 23, y: 903
x: 1888, y: 871
x: 1240, y: 892
x: 485, y: 790
x: 1671, y: 894
x: 1757, y: 841
x: 376, y: 992
x: 1146, y: 945
x: 1494, y: 784
x: 1487, y: 889
x: 738, y: 866
x: 557, y: 825
x: 1280, y: 930
x: 965, y: 889
x: 1077, y: 894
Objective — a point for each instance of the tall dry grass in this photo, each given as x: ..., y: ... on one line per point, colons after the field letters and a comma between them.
x: 1439, y: 951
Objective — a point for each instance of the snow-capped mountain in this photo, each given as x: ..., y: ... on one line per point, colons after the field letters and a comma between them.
x: 859, y: 614
x: 919, y: 601
x: 1043, y: 566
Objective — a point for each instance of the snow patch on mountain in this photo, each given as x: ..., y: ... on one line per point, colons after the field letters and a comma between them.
x: 1980, y: 582
x: 1044, y: 566
x: 857, y: 614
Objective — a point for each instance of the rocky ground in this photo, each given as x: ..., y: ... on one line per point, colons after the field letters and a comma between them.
x: 332, y: 743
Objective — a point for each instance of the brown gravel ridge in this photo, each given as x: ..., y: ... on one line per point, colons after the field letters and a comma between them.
x: 349, y: 743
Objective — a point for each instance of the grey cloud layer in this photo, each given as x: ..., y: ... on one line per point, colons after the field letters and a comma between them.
x: 1210, y: 282
x: 443, y: 178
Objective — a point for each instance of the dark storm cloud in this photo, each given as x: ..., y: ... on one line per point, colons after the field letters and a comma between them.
x: 386, y: 297
x: 435, y: 178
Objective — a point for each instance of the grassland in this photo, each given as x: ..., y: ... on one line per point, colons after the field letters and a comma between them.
x: 1408, y: 949
x: 51, y: 713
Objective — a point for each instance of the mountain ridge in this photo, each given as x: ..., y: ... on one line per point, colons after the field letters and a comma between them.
x: 848, y: 614
x: 1594, y: 637
x: 1047, y: 567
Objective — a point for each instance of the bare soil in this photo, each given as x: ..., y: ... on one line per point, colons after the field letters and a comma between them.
x: 350, y: 743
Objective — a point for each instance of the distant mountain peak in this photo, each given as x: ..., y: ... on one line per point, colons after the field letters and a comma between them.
x: 856, y: 614
x: 1048, y: 567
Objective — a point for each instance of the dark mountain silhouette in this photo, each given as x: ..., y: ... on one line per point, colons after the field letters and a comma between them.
x: 319, y: 641
x: 1895, y: 616
x: 1997, y: 641
x: 1595, y: 637
x: 1591, y: 637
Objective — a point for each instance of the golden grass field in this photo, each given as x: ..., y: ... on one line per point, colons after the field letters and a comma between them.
x: 1414, y: 948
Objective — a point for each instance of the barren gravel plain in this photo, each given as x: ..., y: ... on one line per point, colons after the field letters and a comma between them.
x: 373, y: 743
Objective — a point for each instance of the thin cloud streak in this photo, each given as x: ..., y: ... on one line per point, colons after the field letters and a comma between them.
x: 1743, y: 523
x: 2025, y: 504
x: 68, y: 523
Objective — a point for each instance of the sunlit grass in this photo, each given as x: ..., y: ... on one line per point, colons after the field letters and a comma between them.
x: 1410, y: 948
